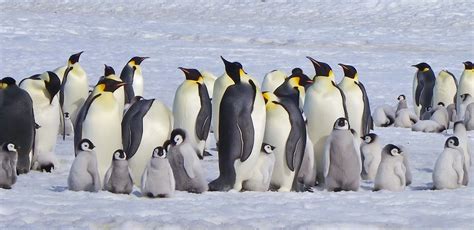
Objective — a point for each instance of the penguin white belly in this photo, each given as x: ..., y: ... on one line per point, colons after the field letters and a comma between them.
x: 466, y: 83
x: 444, y: 91
x: 321, y: 113
x: 186, y: 108
x: 444, y: 174
x: 243, y: 170
x: 119, y: 95
x: 138, y: 85
x: 156, y: 130
x: 220, y: 86
x: 76, y: 91
x: 386, y: 178
x: 102, y: 126
x: 79, y: 178
x: 261, y: 177
x: 277, y: 130
x: 354, y: 105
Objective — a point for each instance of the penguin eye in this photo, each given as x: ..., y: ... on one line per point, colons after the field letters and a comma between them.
x: 367, y: 139
x: 162, y: 154
x: 11, y: 147
x: 178, y: 139
x: 268, y: 149
x: 117, y: 155
x: 156, y: 152
x: 85, y: 146
x: 394, y: 152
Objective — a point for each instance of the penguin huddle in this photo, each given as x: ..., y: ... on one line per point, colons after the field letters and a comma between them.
x: 292, y: 134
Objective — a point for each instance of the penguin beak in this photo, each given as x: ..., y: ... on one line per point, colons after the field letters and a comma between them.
x: 343, y: 66
x: 140, y: 59
x: 185, y: 71
x: 226, y: 63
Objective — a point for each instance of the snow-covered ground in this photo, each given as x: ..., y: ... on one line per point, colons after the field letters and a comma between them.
x: 380, y: 38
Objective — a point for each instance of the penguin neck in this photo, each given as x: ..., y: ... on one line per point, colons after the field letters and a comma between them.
x: 322, y: 83
x: 78, y: 71
x: 107, y: 101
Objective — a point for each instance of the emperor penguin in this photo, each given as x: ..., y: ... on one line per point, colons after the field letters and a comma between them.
x: 423, y: 84
x: 119, y: 94
x: 357, y: 101
x: 241, y: 127
x: 132, y: 75
x: 188, y: 172
x: 262, y: 173
x: 192, y: 109
x: 391, y: 172
x: 383, y: 116
x: 405, y: 118
x: 209, y: 80
x: 449, y: 169
x: 341, y: 159
x: 466, y: 82
x: 84, y: 175
x: 463, y: 103
x: 273, y: 80
x: 285, y: 129
x: 60, y: 72
x: 42, y: 90
x: 74, y: 87
x: 118, y: 178
x: 68, y: 127
x: 17, y: 121
x: 99, y: 120
x: 460, y: 132
x: 324, y: 104
x: 469, y: 117
x: 8, y: 159
x: 158, y: 179
x: 294, y: 87
x: 371, y: 153
x: 145, y: 123
x: 445, y: 88
x: 402, y: 102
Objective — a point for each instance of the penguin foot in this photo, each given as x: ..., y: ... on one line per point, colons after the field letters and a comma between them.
x: 22, y: 171
x: 218, y: 185
x: 5, y: 186
x: 199, y: 156
x: 48, y: 167
x: 308, y: 189
x: 207, y: 154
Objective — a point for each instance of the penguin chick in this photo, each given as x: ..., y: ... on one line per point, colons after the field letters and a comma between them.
x: 371, y: 151
x: 460, y: 132
x: 187, y: 169
x: 68, y: 127
x: 262, y: 175
x: 469, y: 117
x: 391, y: 172
x: 402, y: 103
x: 440, y: 115
x: 449, y: 169
x: 307, y: 171
x: 451, y: 112
x: 8, y: 159
x: 118, y: 178
x: 428, y: 126
x: 427, y: 114
x: 405, y: 118
x: 465, y: 100
x: 84, y: 174
x: 341, y: 159
x: 158, y: 179
x: 384, y: 116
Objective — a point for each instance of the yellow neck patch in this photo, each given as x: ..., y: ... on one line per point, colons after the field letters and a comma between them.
x: 100, y: 87
x: 425, y: 69
x: 241, y: 72
x: 3, y: 86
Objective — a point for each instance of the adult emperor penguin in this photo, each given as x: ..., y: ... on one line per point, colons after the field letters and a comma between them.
x: 241, y: 128
x: 118, y: 178
x: 324, y: 104
x: 146, y: 123
x: 132, y: 75
x: 357, y: 101
x: 192, y: 109
x: 341, y: 159
x: 391, y: 174
x: 286, y: 130
x: 74, y: 87
x: 158, y: 179
x: 294, y: 87
x: 8, y: 159
x: 17, y: 121
x: 99, y: 120
x: 119, y: 94
x: 272, y: 80
x: 445, y: 88
x: 42, y: 90
x: 449, y: 170
x: 423, y: 84
x: 371, y: 153
x: 466, y: 82
x: 83, y: 175
x: 262, y: 173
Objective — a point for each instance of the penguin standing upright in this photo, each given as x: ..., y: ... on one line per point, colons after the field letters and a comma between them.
x: 17, y: 121
x: 294, y: 87
x: 158, y: 179
x: 466, y: 83
x: 8, y: 159
x: 263, y: 172
x: 423, y: 84
x: 192, y: 109
x: 132, y: 75
x: 286, y: 130
x: 118, y: 178
x: 371, y: 151
x: 99, y: 120
x: 74, y: 87
x: 83, y: 175
x: 391, y: 174
x: 469, y: 117
x: 119, y: 94
x: 241, y: 128
x: 324, y: 104
x: 43, y: 89
x: 445, y: 88
x: 460, y: 132
x: 272, y: 80
x: 449, y: 169
x: 146, y: 123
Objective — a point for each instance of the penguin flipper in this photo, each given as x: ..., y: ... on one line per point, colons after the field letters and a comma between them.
x: 132, y: 126
x: 203, y: 120
x: 247, y: 133
x: 187, y: 164
x: 81, y: 116
x: 343, y: 99
x: 419, y: 88
x: 107, y: 178
x: 144, y: 178
x: 367, y: 121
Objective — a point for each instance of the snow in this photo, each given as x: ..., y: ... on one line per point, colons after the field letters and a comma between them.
x: 382, y: 39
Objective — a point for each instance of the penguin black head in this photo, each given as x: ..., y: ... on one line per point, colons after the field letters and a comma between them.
x: 452, y: 142
x: 166, y: 145
x: 423, y: 66
x: 266, y: 148
x: 109, y: 85
x: 369, y: 138
x: 468, y: 65
x: 136, y: 60
x: 322, y: 69
x: 53, y: 85
x: 233, y: 69
x: 341, y: 124
x: 75, y: 58
x: 7, y: 81
x: 304, y: 79
x: 392, y: 150
x: 177, y: 136
x: 349, y: 71
x: 86, y: 145
x: 159, y: 152
x: 108, y: 70
x: 9, y: 147
x: 191, y: 74
x: 119, y: 155
x: 401, y: 97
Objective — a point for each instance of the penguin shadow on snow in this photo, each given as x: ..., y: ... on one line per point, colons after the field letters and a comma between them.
x: 57, y: 188
x: 427, y: 186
